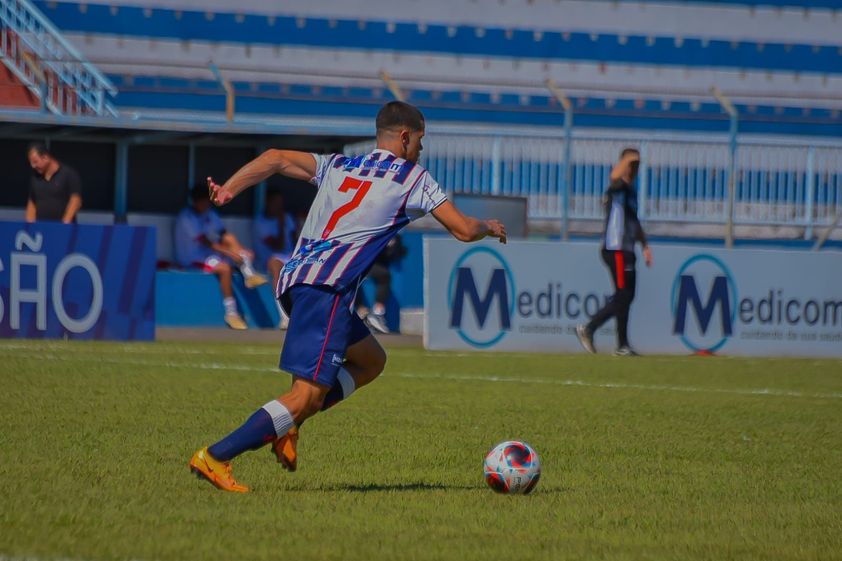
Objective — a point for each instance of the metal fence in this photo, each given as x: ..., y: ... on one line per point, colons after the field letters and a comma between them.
x: 682, y: 179
x: 37, y: 53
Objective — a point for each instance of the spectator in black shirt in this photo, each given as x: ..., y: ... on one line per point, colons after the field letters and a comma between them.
x: 55, y: 192
x: 622, y: 231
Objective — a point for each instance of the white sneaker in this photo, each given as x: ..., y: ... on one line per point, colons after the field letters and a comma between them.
x: 585, y: 338
x: 625, y: 350
x: 235, y: 321
x: 255, y: 280
x: 377, y: 322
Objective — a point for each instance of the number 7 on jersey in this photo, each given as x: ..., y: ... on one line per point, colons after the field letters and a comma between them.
x: 350, y: 184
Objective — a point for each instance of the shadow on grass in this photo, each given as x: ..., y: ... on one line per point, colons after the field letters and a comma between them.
x: 399, y: 487
x: 415, y: 487
x: 390, y: 488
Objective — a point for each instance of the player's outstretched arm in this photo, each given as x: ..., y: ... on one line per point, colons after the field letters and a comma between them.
x: 297, y: 165
x: 467, y: 228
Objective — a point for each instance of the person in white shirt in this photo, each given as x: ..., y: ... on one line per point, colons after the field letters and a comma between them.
x: 202, y: 242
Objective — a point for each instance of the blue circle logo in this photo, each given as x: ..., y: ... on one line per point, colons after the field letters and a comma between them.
x: 483, y: 329
x: 688, y: 297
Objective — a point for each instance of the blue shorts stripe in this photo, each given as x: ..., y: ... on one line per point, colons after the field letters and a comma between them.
x: 327, y: 338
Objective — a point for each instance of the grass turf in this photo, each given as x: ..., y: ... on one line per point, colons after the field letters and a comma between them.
x: 650, y: 458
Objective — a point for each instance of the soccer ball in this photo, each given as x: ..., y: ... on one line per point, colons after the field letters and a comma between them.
x: 512, y: 467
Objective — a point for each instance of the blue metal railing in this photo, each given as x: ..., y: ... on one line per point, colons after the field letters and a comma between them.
x: 682, y: 178
x: 37, y: 53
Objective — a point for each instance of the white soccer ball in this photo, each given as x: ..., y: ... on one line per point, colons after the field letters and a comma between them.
x: 512, y: 467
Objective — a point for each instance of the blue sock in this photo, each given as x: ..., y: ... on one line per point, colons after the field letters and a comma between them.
x: 258, y: 430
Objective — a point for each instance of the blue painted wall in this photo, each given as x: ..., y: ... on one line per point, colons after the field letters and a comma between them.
x: 193, y: 299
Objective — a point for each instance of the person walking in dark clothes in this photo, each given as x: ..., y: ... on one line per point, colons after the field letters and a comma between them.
x: 622, y: 230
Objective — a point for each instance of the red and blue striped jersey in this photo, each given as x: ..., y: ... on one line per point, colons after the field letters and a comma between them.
x: 362, y: 202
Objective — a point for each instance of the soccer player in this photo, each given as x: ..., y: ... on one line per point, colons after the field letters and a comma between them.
x: 360, y: 205
x: 622, y: 230
x: 202, y: 242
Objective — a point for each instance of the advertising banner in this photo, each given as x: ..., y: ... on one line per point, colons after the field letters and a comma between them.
x: 77, y: 281
x: 531, y: 295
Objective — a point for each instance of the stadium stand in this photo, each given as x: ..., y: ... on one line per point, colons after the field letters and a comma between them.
x: 780, y: 65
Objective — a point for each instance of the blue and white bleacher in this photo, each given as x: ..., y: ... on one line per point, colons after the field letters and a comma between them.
x: 626, y: 64
x: 663, y: 48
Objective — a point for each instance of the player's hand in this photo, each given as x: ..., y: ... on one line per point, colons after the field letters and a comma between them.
x: 496, y: 229
x: 647, y: 256
x: 218, y: 194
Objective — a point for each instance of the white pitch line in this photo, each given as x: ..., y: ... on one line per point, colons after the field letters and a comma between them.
x: 763, y: 392
x: 136, y: 349
x: 621, y: 385
x: 34, y: 558
x: 270, y: 350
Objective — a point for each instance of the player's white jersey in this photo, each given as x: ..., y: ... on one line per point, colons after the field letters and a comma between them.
x: 361, y: 204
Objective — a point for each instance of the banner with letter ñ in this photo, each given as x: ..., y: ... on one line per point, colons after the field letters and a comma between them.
x: 695, y: 299
x: 77, y: 281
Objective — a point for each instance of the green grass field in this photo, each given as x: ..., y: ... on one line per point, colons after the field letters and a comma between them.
x: 650, y: 458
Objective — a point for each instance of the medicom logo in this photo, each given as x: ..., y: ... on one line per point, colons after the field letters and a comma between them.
x: 481, y: 296
x: 718, y: 296
x: 707, y: 309
x: 488, y: 298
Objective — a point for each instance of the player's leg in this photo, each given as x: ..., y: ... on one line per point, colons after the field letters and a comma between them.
x: 275, y: 422
x: 625, y: 297
x: 382, y: 278
x: 585, y: 332
x: 268, y: 424
x: 316, y: 352
x: 243, y: 258
x: 364, y: 361
x: 223, y: 272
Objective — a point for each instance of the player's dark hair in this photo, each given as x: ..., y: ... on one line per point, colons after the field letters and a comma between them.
x: 398, y: 114
x: 627, y: 151
x: 38, y: 147
x: 199, y: 192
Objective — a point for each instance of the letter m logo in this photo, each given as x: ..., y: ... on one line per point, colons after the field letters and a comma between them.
x: 465, y: 286
x: 689, y: 293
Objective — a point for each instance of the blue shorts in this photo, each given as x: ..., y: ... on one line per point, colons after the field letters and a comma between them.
x: 322, y: 325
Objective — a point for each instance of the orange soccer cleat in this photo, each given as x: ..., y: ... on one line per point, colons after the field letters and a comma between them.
x: 216, y: 472
x: 285, y: 449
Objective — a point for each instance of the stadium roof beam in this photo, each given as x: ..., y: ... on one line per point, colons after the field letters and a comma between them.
x: 394, y: 89
x: 230, y: 96
x: 733, y: 116
x: 562, y: 98
x: 826, y: 235
x: 43, y: 87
